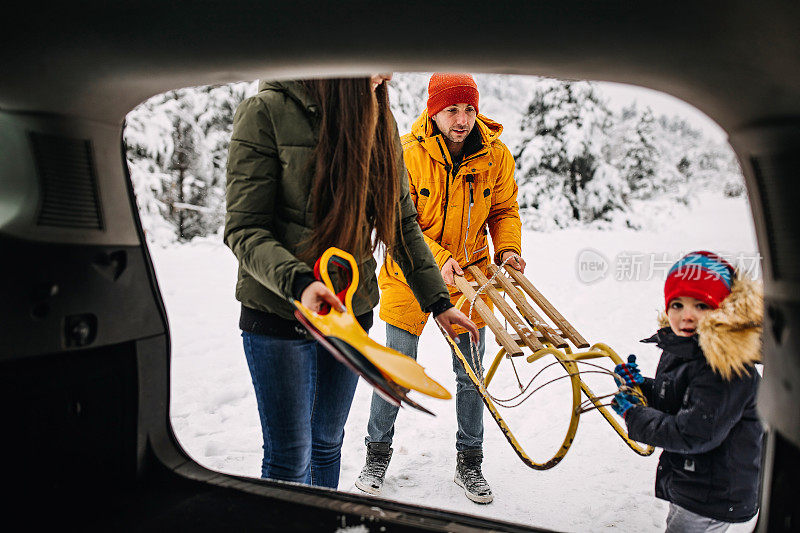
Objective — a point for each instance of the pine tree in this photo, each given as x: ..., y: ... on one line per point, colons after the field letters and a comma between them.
x: 576, y: 162
x: 177, y: 146
x: 408, y: 95
x: 562, y: 150
x: 183, y: 197
x: 640, y: 163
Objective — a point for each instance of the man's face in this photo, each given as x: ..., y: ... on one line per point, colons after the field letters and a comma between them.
x: 456, y: 121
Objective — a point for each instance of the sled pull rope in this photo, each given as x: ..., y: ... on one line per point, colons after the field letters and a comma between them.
x: 476, y: 362
x: 513, y: 347
x: 506, y: 402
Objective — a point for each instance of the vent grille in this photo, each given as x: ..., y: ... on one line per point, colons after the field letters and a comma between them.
x: 68, y: 182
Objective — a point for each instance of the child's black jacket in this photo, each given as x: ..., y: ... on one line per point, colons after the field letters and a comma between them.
x: 702, y: 412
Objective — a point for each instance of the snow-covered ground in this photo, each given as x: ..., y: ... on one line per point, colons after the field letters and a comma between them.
x: 600, y: 484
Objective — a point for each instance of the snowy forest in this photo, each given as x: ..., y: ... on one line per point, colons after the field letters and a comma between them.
x: 578, y: 162
x: 596, y: 168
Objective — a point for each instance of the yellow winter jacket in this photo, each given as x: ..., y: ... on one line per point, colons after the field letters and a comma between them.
x: 456, y: 206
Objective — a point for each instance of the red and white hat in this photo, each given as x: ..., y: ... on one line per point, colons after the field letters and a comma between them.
x: 702, y: 275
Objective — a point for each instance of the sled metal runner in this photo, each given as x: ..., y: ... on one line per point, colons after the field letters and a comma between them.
x: 533, y: 333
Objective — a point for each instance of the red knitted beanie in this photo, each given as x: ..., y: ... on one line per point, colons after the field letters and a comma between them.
x: 702, y: 275
x: 448, y: 89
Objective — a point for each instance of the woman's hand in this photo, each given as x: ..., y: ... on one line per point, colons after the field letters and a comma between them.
x: 317, y: 295
x: 451, y: 317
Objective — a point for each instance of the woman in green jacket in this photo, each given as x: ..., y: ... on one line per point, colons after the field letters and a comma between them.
x: 314, y: 164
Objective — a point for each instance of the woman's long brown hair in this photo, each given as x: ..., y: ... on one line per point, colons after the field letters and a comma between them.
x: 356, y: 182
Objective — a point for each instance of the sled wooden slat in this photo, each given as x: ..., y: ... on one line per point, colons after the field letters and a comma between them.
x: 544, y: 338
x: 500, y: 333
x: 528, y: 311
x: 516, y: 322
x: 569, y: 332
x: 476, y: 285
x: 521, y: 343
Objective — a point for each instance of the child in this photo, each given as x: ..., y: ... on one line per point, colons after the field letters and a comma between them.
x: 701, y: 405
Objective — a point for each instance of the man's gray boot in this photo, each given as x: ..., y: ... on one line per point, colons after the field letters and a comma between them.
x: 370, y: 479
x: 470, y: 477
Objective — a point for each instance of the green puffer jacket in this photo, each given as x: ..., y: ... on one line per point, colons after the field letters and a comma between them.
x: 268, y: 191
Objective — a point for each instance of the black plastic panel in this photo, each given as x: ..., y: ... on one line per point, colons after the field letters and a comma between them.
x: 779, y: 189
x: 67, y: 297
x: 779, y: 511
x: 779, y: 393
x: 69, y: 420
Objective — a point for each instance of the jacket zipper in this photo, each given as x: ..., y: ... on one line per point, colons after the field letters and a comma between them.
x: 446, y: 196
x: 469, y: 179
x: 447, y: 168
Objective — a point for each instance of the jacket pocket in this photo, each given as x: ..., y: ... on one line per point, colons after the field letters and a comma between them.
x: 700, y: 419
x: 480, y: 245
x: 423, y: 195
x: 664, y: 391
x: 691, y: 477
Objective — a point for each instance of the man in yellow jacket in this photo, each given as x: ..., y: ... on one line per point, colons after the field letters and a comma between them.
x: 462, y: 182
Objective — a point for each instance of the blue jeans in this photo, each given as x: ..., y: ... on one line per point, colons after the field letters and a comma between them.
x: 469, y: 405
x: 303, y: 397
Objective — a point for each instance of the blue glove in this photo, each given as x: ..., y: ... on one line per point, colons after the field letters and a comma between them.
x: 629, y: 372
x: 622, y: 402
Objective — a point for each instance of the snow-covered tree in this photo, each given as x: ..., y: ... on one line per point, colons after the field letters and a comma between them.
x: 639, y: 164
x: 408, y: 94
x: 560, y: 163
x: 177, y: 145
x: 577, y: 162
x: 652, y: 155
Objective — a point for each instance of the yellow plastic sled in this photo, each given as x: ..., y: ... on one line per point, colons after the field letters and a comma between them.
x: 391, y: 373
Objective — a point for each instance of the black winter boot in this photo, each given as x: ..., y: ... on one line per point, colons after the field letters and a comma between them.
x: 470, y: 477
x: 370, y: 479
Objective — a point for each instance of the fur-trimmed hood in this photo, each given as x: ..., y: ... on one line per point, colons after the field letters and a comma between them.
x: 730, y: 336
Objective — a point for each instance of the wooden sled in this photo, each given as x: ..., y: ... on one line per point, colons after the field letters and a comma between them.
x: 532, y: 333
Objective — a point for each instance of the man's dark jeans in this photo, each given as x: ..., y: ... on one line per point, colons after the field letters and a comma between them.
x: 469, y: 405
